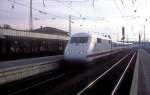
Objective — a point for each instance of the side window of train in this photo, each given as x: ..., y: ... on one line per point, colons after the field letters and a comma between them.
x: 109, y: 41
x: 114, y: 44
x: 99, y: 40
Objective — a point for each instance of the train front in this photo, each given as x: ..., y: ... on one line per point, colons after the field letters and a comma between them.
x: 77, y: 48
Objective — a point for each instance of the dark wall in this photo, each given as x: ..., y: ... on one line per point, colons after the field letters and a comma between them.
x: 13, y: 47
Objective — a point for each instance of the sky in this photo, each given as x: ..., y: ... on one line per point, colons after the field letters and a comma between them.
x: 96, y: 16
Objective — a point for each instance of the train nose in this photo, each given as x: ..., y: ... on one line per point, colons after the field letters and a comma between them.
x: 75, y: 55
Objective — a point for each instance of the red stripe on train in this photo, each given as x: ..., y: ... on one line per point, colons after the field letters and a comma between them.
x: 92, y: 55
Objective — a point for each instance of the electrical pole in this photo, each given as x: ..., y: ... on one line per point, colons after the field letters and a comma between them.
x: 30, y: 18
x: 123, y: 34
x: 144, y: 35
x: 139, y: 39
x: 69, y: 24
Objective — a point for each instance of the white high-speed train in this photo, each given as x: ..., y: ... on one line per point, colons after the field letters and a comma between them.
x: 85, y: 47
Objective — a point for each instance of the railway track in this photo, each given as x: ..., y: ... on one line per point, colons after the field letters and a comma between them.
x: 110, y: 82
x: 147, y: 50
x: 18, y: 87
x: 73, y: 80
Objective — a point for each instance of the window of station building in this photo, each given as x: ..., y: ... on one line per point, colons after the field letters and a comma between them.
x: 99, y: 40
x: 79, y: 40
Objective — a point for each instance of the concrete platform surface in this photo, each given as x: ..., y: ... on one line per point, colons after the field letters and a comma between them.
x: 19, y: 69
x: 141, y: 79
x: 22, y: 62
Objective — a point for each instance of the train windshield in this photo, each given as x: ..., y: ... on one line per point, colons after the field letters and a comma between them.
x: 79, y: 40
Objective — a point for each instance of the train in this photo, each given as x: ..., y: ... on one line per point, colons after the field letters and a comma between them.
x: 17, y: 44
x: 86, y: 47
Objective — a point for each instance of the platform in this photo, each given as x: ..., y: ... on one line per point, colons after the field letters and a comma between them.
x: 19, y: 69
x: 141, y: 78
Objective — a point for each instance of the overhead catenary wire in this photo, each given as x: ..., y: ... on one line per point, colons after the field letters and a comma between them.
x: 122, y: 1
x: 73, y: 1
x: 50, y: 14
x: 80, y: 15
x: 133, y: 2
x: 73, y: 17
x: 35, y: 9
x: 53, y: 16
x: 118, y: 8
x: 43, y: 3
x: 68, y: 7
x: 10, y: 12
x: 40, y: 11
x: 124, y: 8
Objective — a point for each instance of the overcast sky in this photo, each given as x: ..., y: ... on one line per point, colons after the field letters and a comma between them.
x: 102, y: 16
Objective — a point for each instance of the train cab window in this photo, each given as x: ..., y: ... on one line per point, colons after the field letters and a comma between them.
x: 79, y: 40
x: 99, y: 40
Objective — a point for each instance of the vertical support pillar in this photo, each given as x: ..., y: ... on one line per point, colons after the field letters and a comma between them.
x: 30, y: 18
x: 69, y: 24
